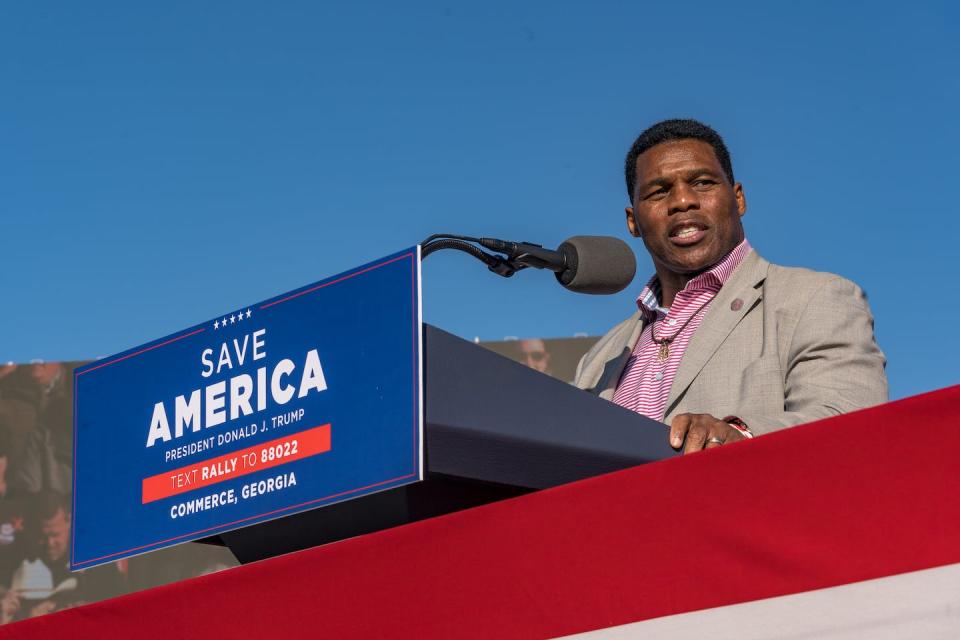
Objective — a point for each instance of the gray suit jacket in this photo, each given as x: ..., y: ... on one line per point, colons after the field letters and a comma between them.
x: 798, y: 347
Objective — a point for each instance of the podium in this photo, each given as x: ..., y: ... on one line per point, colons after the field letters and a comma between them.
x: 494, y: 429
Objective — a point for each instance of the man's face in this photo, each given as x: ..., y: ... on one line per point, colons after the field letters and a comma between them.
x: 54, y: 534
x: 684, y: 208
x: 44, y: 372
x: 535, y: 354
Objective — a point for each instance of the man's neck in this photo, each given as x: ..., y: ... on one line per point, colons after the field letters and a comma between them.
x: 671, y: 284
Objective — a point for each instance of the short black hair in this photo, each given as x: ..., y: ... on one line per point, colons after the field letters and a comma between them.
x: 45, y: 505
x: 675, y: 129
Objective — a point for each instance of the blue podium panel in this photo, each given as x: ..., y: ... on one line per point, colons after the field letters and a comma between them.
x: 306, y: 399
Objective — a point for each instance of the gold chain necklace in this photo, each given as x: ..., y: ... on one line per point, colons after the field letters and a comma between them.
x: 664, y: 343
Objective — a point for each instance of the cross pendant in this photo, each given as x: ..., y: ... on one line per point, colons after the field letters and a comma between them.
x: 664, y: 351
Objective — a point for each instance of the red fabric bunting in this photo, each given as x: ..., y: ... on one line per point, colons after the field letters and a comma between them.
x: 856, y: 497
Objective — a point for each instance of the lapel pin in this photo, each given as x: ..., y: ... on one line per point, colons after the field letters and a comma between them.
x: 736, y: 305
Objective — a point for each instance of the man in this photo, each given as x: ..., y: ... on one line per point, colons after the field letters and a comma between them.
x: 42, y: 581
x: 46, y: 462
x: 18, y: 415
x: 535, y: 355
x: 725, y: 345
x: 12, y: 509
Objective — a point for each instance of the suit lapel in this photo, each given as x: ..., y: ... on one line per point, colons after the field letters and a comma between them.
x: 720, y: 320
x: 613, y: 368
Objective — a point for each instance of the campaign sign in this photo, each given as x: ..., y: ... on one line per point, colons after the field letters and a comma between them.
x: 306, y: 399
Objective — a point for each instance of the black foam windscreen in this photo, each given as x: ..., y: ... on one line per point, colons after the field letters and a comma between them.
x: 597, y: 264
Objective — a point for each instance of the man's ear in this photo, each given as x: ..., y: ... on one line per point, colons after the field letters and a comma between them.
x: 741, y: 199
x: 632, y: 226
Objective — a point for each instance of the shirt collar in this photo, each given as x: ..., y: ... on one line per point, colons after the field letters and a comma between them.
x: 712, y: 278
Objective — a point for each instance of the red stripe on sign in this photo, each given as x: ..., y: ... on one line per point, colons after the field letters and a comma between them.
x: 238, y: 463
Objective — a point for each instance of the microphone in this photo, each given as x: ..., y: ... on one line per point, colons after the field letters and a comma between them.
x: 584, y: 264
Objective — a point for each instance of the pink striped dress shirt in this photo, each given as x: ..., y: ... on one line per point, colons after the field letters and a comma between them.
x: 646, y: 381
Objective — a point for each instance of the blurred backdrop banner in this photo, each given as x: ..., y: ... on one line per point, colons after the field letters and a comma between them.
x: 36, y: 470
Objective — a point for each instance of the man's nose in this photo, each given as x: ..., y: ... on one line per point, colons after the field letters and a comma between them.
x: 683, y: 198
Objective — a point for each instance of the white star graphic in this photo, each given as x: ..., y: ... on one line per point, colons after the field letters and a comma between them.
x: 216, y: 324
x: 248, y: 313
x: 233, y: 319
x: 223, y: 321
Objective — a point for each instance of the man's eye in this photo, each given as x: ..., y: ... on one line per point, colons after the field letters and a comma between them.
x: 656, y: 195
x: 702, y: 182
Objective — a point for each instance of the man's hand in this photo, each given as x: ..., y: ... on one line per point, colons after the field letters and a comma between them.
x: 42, y: 609
x: 9, y: 605
x: 702, y: 431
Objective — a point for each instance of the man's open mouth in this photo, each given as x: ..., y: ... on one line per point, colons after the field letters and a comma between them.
x: 687, y: 233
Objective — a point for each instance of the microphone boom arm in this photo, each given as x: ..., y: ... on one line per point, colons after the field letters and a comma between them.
x: 505, y: 267
x: 583, y: 264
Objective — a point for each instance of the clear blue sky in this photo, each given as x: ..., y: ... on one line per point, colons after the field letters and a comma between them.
x: 162, y: 163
